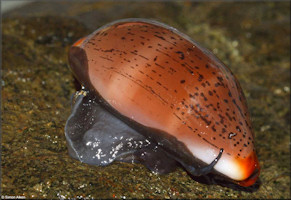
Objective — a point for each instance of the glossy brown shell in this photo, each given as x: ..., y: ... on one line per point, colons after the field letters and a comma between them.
x: 162, y: 79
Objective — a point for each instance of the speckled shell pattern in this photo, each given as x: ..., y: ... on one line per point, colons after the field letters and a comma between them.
x: 162, y: 79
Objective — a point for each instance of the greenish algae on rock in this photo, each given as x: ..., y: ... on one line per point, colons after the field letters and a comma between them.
x: 253, y: 39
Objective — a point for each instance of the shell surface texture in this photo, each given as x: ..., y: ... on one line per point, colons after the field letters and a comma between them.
x: 152, y: 95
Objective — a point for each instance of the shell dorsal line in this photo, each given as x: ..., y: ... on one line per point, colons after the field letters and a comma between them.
x: 207, y: 169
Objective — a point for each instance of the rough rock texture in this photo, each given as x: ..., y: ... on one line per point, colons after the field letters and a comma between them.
x: 253, y: 39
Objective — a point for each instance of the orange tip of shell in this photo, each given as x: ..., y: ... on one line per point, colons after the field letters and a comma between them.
x: 79, y: 42
x: 250, y: 168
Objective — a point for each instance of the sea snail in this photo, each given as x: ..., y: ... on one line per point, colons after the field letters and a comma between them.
x: 153, y: 95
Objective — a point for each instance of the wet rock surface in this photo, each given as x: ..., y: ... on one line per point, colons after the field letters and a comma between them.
x: 252, y: 39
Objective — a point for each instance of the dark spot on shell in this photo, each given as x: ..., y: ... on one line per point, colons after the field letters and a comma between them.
x: 181, y: 55
x: 191, y: 72
x: 220, y: 79
x: 213, y: 128
x: 200, y: 78
x: 231, y: 135
x: 182, y: 81
x: 161, y: 37
x: 238, y: 129
x: 201, y: 94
